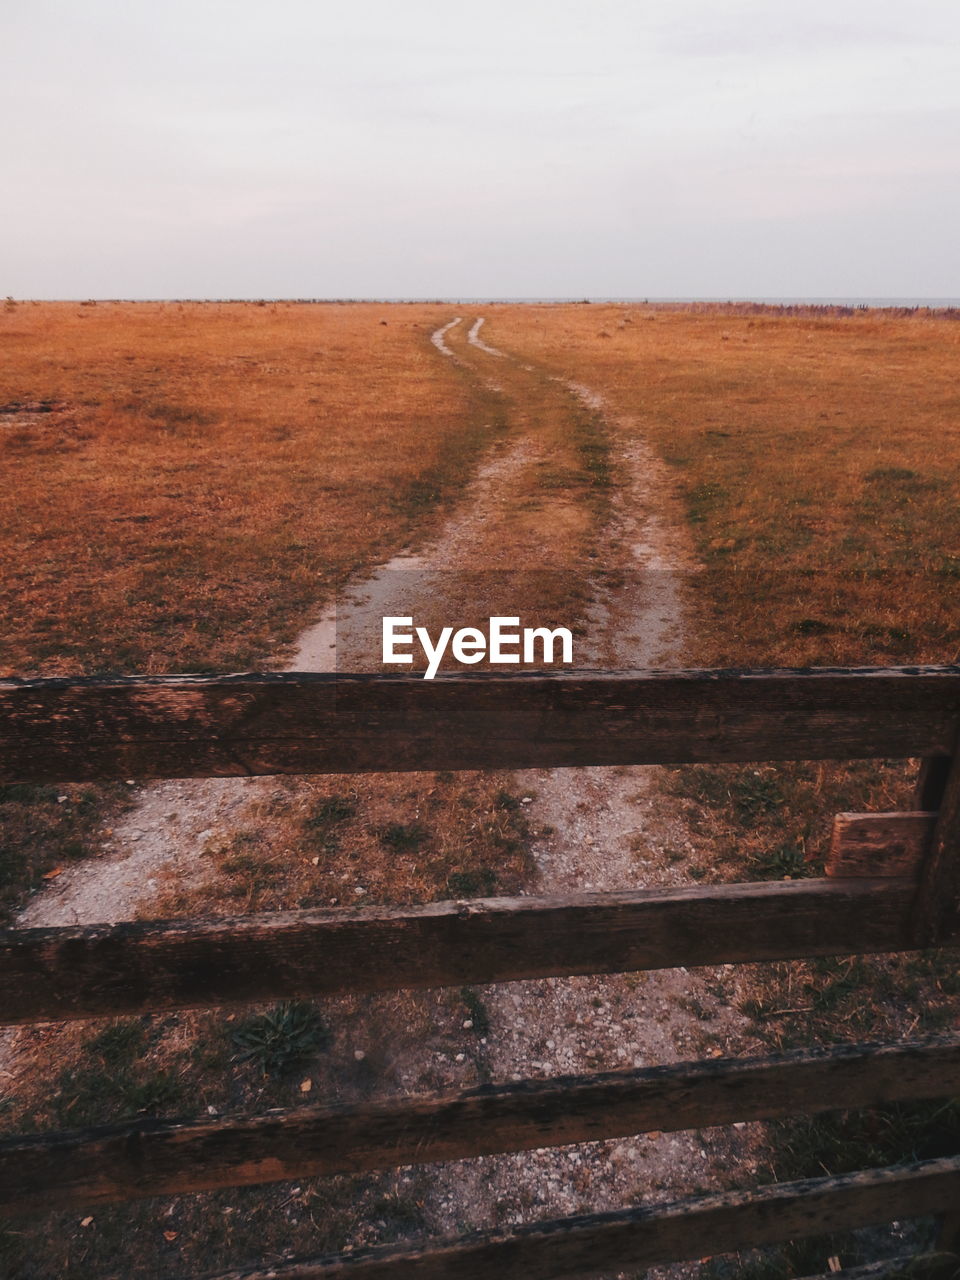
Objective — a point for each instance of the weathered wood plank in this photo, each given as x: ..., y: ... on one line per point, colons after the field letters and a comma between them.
x: 931, y: 783
x: 181, y: 726
x: 121, y: 1162
x: 938, y: 896
x: 645, y: 1237
x: 880, y: 844
x: 89, y: 970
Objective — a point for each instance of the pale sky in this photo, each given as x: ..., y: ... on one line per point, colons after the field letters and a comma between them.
x: 419, y: 148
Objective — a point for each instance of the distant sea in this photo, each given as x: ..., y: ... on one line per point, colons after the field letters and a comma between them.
x: 831, y: 301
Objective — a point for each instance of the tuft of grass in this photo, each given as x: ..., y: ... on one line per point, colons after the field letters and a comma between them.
x: 783, y: 861
x: 280, y: 1039
x: 755, y: 794
x: 120, y: 1042
x: 480, y: 883
x: 847, y: 1141
x: 88, y: 1095
x: 330, y: 810
x: 403, y: 837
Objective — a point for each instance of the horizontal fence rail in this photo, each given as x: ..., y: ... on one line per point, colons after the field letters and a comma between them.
x: 893, y: 884
x: 189, y: 726
x: 87, y: 971
x: 148, y: 1158
x: 645, y: 1237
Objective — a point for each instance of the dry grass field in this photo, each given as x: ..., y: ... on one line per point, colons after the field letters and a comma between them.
x: 187, y: 485
x: 191, y: 481
x: 817, y: 455
x: 818, y: 458
x: 194, y: 482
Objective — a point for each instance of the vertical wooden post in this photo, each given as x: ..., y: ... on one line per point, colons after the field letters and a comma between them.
x: 938, y: 894
x: 948, y: 1234
x: 932, y: 782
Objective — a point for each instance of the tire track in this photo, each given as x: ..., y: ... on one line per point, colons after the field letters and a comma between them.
x: 610, y: 829
x: 603, y: 828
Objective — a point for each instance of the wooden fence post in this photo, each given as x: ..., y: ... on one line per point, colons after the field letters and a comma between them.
x: 938, y: 895
x: 932, y: 782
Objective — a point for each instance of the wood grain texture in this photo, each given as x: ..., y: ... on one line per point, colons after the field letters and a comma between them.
x: 637, y: 1238
x: 90, y: 970
x: 931, y: 783
x: 39, y: 1172
x: 189, y: 726
x: 938, y: 896
x: 880, y: 844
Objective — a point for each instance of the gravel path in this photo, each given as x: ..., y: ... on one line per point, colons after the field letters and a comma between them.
x: 609, y: 829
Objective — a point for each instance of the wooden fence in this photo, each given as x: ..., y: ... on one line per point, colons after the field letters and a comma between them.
x: 892, y: 883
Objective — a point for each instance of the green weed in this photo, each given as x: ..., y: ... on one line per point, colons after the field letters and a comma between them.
x: 280, y: 1039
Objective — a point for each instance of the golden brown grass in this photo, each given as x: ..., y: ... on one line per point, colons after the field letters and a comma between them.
x: 187, y: 485
x: 209, y: 473
x: 817, y: 457
x: 349, y: 840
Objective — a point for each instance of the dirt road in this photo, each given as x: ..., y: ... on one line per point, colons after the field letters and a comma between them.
x: 533, y: 506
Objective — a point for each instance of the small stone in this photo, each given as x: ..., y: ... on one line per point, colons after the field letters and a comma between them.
x: 306, y: 1085
x: 359, y: 1054
x: 62, y: 799
x: 526, y: 800
x: 461, y: 1057
x: 359, y: 890
x: 467, y: 1024
x: 86, y: 1222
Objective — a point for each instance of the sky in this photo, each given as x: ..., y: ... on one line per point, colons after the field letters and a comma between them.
x: 504, y: 148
